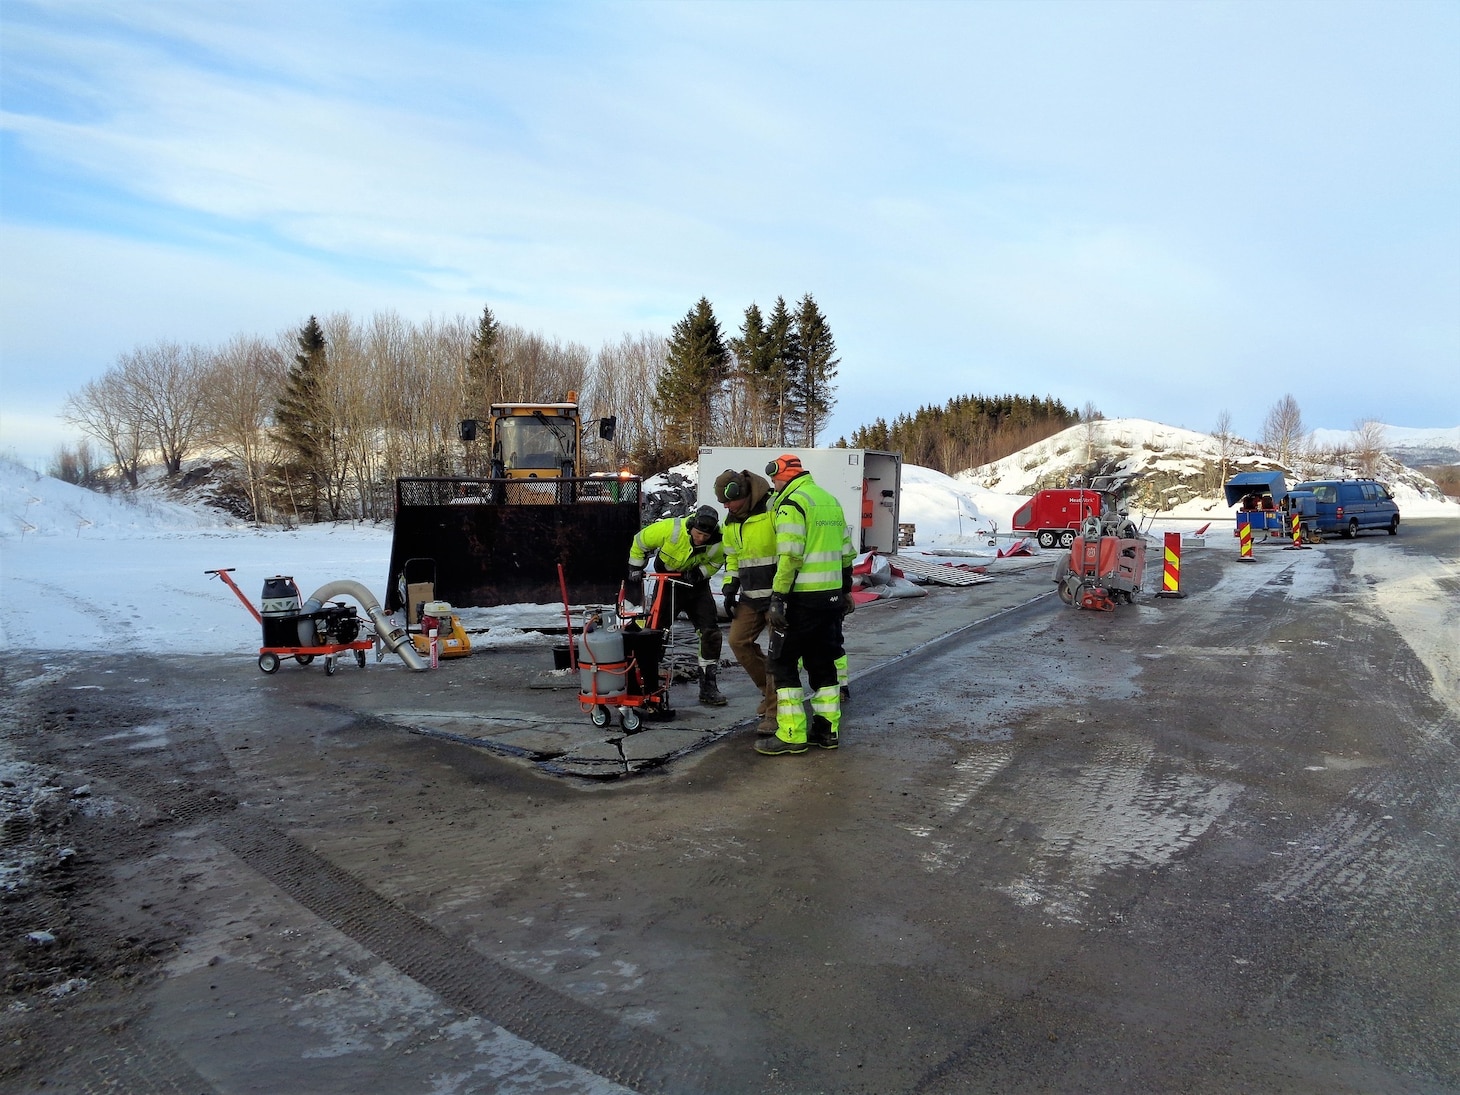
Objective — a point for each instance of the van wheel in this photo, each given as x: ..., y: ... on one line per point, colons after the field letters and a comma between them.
x: 1046, y: 538
x: 1394, y: 525
x: 1352, y: 531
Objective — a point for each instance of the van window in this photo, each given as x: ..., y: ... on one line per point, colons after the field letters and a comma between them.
x: 1383, y: 492
x: 1325, y: 493
x: 1370, y: 494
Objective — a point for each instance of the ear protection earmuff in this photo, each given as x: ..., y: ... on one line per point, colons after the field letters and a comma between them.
x: 773, y: 468
x: 736, y: 488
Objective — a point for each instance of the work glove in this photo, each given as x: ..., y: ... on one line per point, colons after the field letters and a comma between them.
x: 636, y: 574
x: 775, y: 614
x: 848, y: 604
x: 731, y: 593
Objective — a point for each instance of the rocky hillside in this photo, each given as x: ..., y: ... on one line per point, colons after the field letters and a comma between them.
x: 1162, y: 467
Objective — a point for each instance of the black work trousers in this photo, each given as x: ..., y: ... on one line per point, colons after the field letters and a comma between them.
x: 697, y: 604
x: 813, y: 637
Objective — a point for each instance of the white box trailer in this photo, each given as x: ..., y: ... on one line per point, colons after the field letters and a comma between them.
x: 867, y: 483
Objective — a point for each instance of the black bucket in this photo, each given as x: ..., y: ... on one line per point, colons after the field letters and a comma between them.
x: 562, y: 658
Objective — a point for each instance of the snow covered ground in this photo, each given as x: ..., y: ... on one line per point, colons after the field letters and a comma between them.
x: 88, y: 572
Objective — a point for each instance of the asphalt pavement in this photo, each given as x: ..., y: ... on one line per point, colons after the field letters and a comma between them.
x: 513, y: 702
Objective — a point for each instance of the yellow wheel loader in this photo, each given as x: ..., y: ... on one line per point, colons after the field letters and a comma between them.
x: 500, y: 538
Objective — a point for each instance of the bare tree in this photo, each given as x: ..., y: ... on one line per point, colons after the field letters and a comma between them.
x: 1226, y: 443
x: 240, y: 388
x: 76, y: 466
x: 164, y: 381
x: 1369, y: 438
x: 537, y: 369
x: 1283, y: 432
x: 621, y: 383
x: 105, y: 410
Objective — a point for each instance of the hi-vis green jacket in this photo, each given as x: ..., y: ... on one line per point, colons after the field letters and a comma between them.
x: 669, y: 538
x: 812, y: 540
x: 750, y: 546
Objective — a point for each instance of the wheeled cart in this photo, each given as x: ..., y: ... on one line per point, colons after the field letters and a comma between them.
x: 623, y: 666
x: 290, y: 632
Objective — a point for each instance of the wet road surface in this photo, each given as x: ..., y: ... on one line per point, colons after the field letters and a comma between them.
x: 1195, y: 845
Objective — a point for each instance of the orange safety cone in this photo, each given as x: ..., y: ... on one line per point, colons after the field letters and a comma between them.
x: 1171, y: 571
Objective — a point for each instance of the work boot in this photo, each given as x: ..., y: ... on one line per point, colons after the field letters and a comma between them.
x: 766, y: 726
x: 820, y: 733
x: 710, y: 695
x: 775, y: 746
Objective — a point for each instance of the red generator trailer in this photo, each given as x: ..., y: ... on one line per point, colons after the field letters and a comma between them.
x: 1055, y: 516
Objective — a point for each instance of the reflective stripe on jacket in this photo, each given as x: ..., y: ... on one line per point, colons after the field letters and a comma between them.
x: 669, y: 539
x: 812, y: 540
x: 750, y: 555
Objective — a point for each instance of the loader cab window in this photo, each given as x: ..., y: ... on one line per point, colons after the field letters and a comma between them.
x: 538, y: 441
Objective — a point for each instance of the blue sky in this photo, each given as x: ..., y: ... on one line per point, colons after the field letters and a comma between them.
x: 1163, y: 209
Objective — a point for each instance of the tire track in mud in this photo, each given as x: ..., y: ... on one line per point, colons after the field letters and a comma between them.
x: 636, y: 1058
x: 180, y: 781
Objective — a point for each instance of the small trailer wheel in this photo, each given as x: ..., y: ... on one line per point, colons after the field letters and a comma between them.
x: 1067, y: 538
x: 600, y: 716
x: 629, y: 720
x: 269, y: 663
x: 304, y: 659
x: 1046, y: 538
x: 360, y: 658
x: 329, y: 665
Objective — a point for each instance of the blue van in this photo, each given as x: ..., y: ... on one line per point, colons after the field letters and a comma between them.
x: 1349, y: 505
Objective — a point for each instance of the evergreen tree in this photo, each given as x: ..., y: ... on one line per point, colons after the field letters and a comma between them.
x: 484, y: 384
x: 817, y: 368
x: 783, y: 362
x: 302, y: 416
x: 968, y: 430
x: 696, y: 368
x: 755, y: 357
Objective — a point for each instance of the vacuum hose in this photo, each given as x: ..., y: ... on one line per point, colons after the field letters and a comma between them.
x: 392, y: 636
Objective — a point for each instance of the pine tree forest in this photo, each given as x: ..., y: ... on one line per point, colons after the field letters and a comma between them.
x: 968, y: 430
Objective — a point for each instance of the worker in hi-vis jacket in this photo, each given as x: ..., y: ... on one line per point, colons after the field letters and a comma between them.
x: 813, y: 579
x: 750, y: 568
x: 690, y: 547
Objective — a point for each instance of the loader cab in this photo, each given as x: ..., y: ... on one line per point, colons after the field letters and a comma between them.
x: 536, y: 440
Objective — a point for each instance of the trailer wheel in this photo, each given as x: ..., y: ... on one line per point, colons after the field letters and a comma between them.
x: 1067, y: 538
x: 1046, y: 538
x: 329, y: 665
x: 360, y: 658
x: 269, y: 663
x: 600, y: 716
x: 629, y: 720
x: 304, y: 659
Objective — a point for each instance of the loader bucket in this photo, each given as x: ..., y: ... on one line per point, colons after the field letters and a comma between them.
x: 500, y: 541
